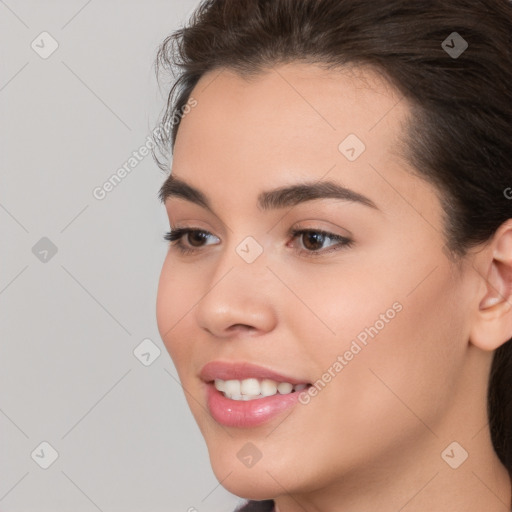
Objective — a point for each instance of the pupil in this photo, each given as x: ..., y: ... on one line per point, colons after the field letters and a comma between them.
x: 316, y: 240
x: 196, y: 236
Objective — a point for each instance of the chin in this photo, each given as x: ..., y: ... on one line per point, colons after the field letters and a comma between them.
x: 262, y: 481
x: 250, y: 486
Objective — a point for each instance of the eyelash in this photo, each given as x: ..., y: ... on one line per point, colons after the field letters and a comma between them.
x: 176, y: 235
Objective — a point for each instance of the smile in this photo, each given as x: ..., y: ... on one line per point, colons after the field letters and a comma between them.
x: 242, y: 394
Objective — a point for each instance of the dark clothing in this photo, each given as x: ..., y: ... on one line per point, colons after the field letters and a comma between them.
x: 257, y: 506
x: 261, y: 506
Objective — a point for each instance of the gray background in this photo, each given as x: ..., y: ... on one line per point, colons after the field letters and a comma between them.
x: 71, y: 321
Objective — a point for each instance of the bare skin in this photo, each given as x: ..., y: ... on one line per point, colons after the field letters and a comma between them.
x: 375, y: 437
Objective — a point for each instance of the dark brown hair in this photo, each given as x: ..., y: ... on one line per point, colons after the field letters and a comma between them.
x: 460, y: 136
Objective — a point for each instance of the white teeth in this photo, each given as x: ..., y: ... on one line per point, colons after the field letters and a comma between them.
x: 284, y: 388
x: 268, y: 387
x: 232, y: 387
x: 251, y: 389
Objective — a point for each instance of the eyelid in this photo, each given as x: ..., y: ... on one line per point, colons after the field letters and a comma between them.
x: 328, y: 227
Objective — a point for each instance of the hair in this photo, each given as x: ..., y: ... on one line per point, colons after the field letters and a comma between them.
x: 459, y: 136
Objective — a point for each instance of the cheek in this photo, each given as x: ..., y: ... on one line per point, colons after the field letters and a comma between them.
x: 401, y: 335
x: 395, y: 387
x: 394, y: 307
x: 415, y: 359
x: 175, y: 298
x: 337, y: 304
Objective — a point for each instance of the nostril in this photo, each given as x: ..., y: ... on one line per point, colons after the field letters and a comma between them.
x: 240, y: 327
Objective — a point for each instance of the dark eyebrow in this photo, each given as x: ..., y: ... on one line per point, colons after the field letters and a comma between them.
x: 176, y: 187
x: 290, y: 196
x: 272, y: 199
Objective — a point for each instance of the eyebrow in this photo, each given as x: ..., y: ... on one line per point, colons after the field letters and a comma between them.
x: 272, y: 199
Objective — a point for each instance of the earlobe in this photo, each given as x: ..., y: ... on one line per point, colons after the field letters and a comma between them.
x: 493, y: 321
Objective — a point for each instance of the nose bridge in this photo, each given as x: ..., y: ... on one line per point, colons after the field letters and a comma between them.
x: 240, y: 290
x: 243, y: 256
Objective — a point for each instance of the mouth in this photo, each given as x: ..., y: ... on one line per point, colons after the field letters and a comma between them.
x: 246, y: 395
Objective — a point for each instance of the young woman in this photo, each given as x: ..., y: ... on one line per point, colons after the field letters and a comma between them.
x: 337, y: 293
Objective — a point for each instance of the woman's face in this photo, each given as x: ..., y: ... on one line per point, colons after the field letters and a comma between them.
x: 376, y: 317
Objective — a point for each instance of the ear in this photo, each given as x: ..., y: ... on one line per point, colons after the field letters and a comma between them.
x: 492, y: 325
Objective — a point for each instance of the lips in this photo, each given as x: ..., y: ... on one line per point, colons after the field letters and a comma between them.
x: 243, y: 370
x: 236, y: 412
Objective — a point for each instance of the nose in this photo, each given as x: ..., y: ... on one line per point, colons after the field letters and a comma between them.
x: 239, y: 298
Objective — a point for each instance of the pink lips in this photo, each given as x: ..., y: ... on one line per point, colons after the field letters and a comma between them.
x: 250, y: 413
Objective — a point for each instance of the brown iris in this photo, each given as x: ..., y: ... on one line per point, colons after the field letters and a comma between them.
x: 313, y: 241
x: 196, y: 238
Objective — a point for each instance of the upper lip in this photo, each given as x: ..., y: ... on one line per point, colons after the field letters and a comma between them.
x: 242, y: 370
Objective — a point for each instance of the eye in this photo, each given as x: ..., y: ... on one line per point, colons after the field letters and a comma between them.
x: 313, y: 241
x: 194, y: 237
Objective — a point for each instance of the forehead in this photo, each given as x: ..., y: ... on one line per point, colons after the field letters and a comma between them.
x: 329, y: 95
x: 298, y: 106
x: 291, y: 123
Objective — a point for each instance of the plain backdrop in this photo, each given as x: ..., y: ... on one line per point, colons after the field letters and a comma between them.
x: 92, y: 417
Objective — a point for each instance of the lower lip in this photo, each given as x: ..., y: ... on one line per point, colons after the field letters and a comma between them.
x: 247, y: 413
